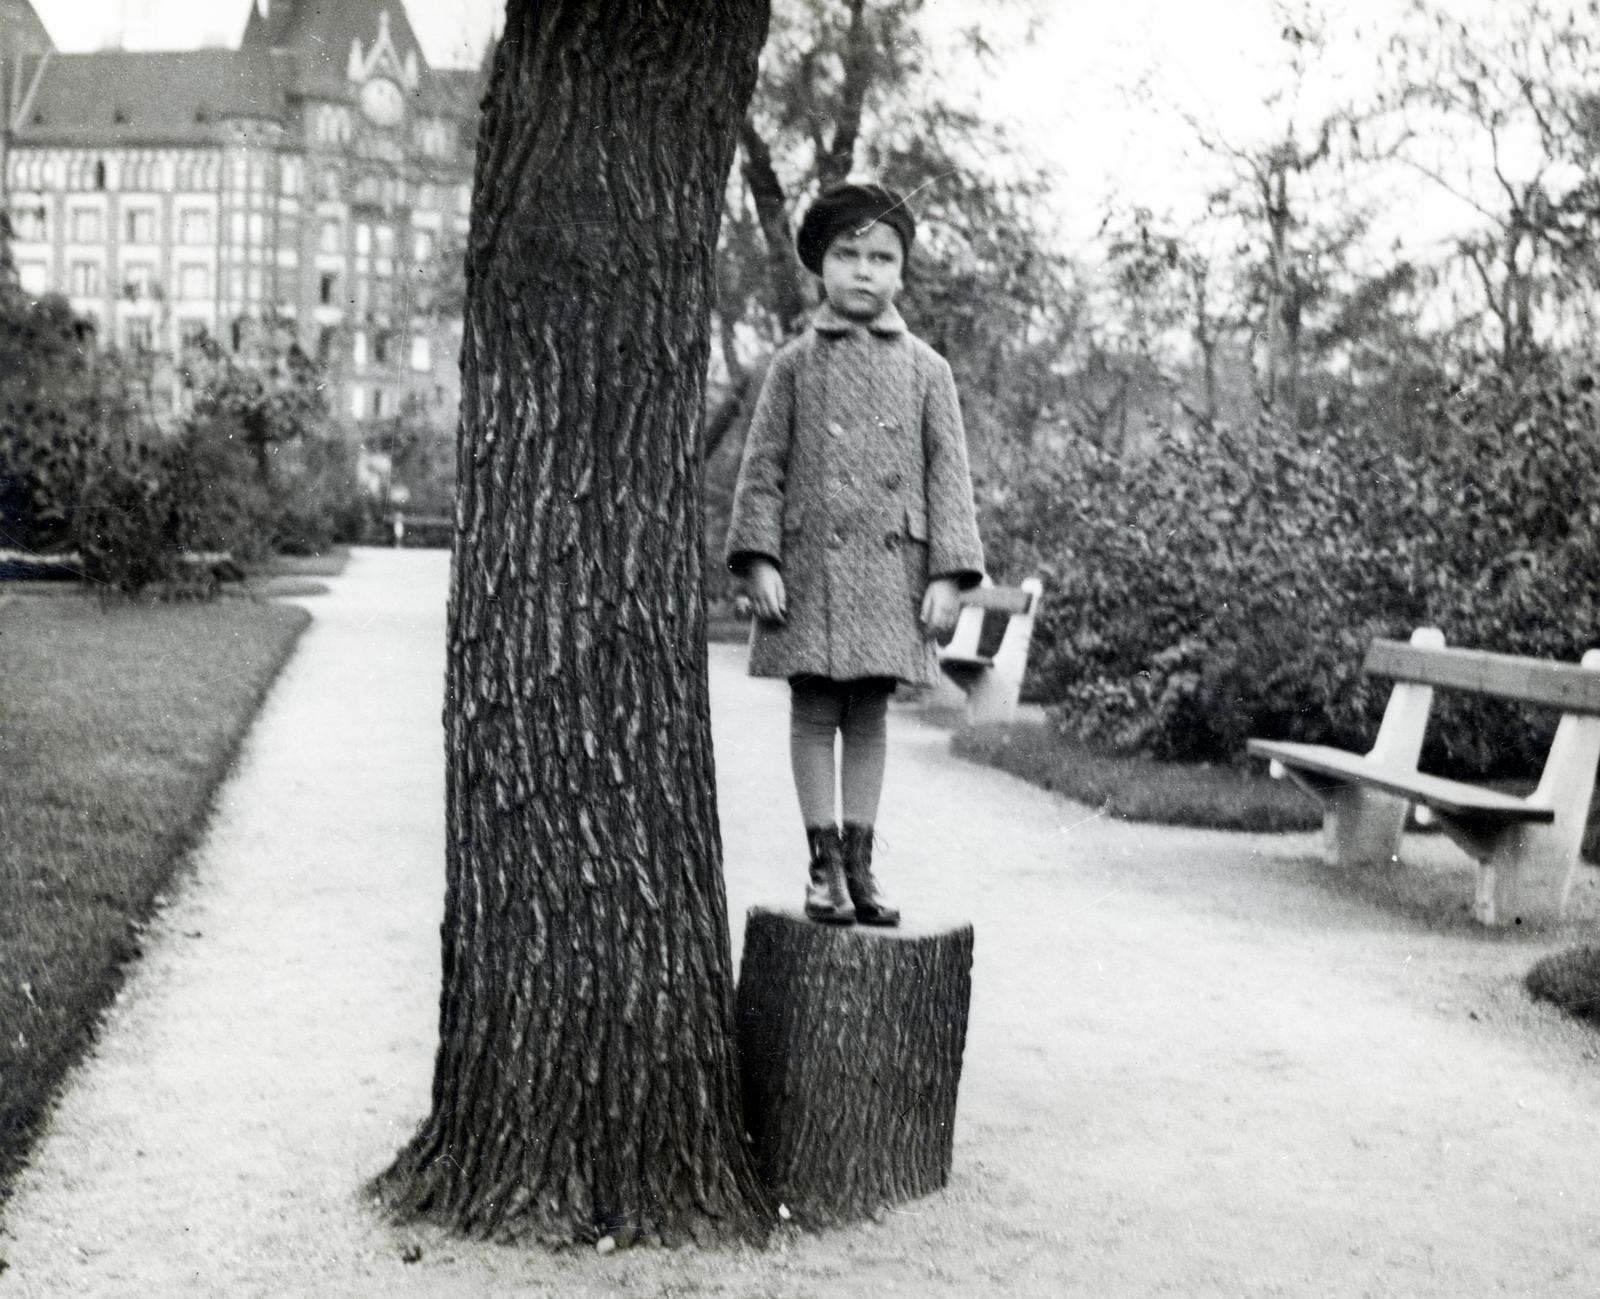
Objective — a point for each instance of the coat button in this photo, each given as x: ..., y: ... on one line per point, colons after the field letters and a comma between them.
x: 891, y: 540
x: 892, y: 481
x: 835, y: 428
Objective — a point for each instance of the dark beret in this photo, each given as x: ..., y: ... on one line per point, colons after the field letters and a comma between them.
x: 851, y: 207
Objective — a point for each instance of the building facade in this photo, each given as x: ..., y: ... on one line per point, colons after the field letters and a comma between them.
x: 313, y: 183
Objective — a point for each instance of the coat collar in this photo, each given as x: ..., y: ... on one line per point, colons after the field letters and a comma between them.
x: 887, y: 322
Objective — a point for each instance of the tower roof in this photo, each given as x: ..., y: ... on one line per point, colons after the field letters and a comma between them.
x: 21, y: 32
x: 321, y: 38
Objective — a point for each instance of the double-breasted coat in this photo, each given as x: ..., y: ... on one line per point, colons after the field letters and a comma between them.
x: 855, y: 483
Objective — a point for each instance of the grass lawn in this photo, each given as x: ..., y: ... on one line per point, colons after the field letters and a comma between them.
x: 1139, y: 789
x: 117, y: 723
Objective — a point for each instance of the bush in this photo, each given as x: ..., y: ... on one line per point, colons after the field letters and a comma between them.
x: 1228, y: 585
x: 84, y: 468
x: 318, y: 502
x: 1569, y: 980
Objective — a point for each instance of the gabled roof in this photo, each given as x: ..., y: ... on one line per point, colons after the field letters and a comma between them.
x: 126, y: 97
x: 21, y: 32
x: 317, y: 49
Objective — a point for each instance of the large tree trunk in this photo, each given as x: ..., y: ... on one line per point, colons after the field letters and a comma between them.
x: 585, y: 1084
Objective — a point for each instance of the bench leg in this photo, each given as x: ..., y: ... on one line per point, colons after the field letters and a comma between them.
x: 1360, y: 826
x: 992, y: 698
x: 1525, y: 870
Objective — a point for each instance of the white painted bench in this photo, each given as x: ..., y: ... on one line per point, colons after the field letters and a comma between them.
x: 1526, y: 848
x: 993, y: 682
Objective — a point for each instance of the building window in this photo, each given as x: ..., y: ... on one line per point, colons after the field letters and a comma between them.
x: 425, y: 246
x: 257, y: 285
x: 86, y: 226
x: 29, y: 226
x: 291, y: 176
x: 328, y: 183
x: 34, y: 278
x: 427, y: 195
x: 139, y: 226
x: 363, y: 239
x: 136, y: 334
x: 421, y: 352
x: 380, y: 347
x: 236, y: 283
x: 329, y: 288
x: 194, y: 226
x: 377, y: 403
x: 138, y: 280
x: 358, y: 349
x: 358, y: 401
x: 258, y: 229
x: 194, y: 282
x: 330, y: 239
x: 85, y: 279
x: 191, y: 332
x: 385, y: 241
x: 464, y: 199
x: 327, y: 345
x: 236, y: 227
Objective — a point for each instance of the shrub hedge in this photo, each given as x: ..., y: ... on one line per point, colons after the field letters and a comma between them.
x: 1227, y: 584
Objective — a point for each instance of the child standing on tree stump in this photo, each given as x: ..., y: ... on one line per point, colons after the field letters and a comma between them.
x: 853, y: 529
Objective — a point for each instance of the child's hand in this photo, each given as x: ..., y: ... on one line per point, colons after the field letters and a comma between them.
x: 941, y: 606
x: 764, y: 585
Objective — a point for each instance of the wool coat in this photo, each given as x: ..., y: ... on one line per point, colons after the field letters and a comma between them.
x: 855, y: 483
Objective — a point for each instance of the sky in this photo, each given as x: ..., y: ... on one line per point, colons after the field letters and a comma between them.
x: 1098, y: 96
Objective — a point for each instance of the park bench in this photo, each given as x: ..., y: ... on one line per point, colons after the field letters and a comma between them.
x: 1526, y: 848
x: 992, y: 679
x: 435, y: 531
x: 20, y: 565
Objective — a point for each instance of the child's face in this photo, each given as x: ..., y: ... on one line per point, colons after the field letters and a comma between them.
x: 861, y: 271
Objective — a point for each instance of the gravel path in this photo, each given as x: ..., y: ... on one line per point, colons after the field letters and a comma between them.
x: 1197, y: 1065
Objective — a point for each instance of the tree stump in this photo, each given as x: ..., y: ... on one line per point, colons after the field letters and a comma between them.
x: 850, y: 1042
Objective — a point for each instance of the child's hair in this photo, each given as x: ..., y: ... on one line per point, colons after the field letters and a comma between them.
x: 851, y: 207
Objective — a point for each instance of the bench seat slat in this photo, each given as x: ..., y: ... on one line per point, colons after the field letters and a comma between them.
x: 1565, y: 686
x: 1436, y: 791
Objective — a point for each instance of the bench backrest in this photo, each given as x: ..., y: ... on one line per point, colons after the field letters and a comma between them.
x: 1018, y: 603
x: 1002, y: 599
x: 1563, y: 686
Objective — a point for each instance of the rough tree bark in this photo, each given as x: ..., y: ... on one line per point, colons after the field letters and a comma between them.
x: 585, y: 1083
x: 850, y: 1042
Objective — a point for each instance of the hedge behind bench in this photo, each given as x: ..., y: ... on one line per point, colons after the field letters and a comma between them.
x: 1228, y: 587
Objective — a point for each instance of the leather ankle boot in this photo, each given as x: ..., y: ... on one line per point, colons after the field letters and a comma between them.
x: 826, y: 898
x: 870, y: 907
